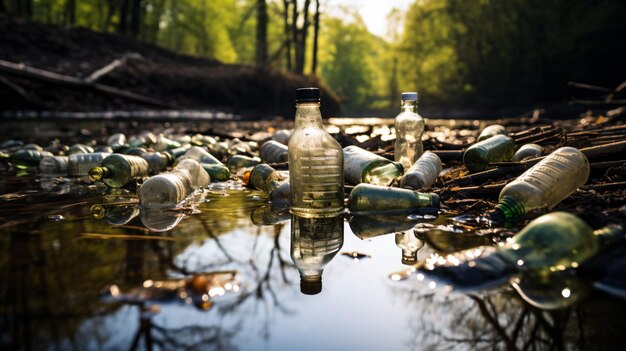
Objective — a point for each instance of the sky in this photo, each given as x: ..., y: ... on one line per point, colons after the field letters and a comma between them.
x: 374, y: 12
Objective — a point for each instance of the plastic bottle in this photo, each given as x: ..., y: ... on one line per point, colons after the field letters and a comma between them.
x: 216, y: 169
x: 492, y: 130
x: 78, y: 165
x: 53, y: 165
x: 369, y: 226
x: 527, y: 151
x: 119, y: 170
x: 218, y: 173
x: 495, y: 149
x: 26, y: 158
x: 282, y: 136
x: 409, y: 128
x: 544, y: 185
x: 117, y: 140
x: 557, y: 241
x: 165, y: 189
x: 314, y: 243
x: 423, y: 173
x: 368, y: 198
x: 274, y: 152
x: 362, y: 166
x: 315, y: 161
x: 79, y: 149
x: 410, y: 244
x: 265, y: 178
x: 238, y: 162
x: 157, y: 161
x: 199, y: 177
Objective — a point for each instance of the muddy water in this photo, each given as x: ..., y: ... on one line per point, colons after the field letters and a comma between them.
x: 78, y: 277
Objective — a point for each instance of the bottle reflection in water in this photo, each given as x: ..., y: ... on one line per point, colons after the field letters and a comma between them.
x: 160, y: 219
x: 551, y: 291
x: 410, y: 244
x: 370, y: 226
x: 118, y: 207
x: 314, y: 243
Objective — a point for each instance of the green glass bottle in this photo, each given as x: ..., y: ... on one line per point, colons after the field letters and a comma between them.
x: 265, y: 178
x: 27, y: 158
x: 495, y: 149
x: 118, y: 170
x: 557, y: 241
x: 314, y: 243
x: 362, y: 166
x: 544, y: 185
x: 492, y: 130
x: 368, y: 198
x: 238, y: 162
x: 218, y: 173
x: 527, y: 151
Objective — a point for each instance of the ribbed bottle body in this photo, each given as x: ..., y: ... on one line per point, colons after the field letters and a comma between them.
x: 165, y: 189
x: 550, y: 181
x: 78, y: 165
x: 123, y: 169
x: 423, y: 173
x: 315, y: 166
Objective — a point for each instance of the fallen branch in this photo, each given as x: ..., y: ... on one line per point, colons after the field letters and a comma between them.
x: 39, y: 74
x: 112, y: 66
x: 606, y: 187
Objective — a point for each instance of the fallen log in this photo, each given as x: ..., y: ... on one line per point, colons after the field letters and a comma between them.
x: 22, y: 70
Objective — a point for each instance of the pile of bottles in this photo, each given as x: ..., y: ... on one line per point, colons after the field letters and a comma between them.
x: 303, y: 173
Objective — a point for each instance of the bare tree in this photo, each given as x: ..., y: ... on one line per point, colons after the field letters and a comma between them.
x: 135, y: 18
x: 261, y: 32
x: 316, y: 29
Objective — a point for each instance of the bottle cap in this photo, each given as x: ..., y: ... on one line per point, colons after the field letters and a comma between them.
x: 311, y: 287
x: 307, y: 95
x: 411, y: 95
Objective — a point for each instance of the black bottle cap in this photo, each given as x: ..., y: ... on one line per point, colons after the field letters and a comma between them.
x: 310, y: 287
x: 307, y: 95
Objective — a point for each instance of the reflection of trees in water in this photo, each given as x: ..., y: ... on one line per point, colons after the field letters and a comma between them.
x: 51, y: 279
x: 501, y: 320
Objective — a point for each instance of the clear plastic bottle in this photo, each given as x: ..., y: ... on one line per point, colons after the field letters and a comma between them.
x: 544, y: 185
x: 423, y: 173
x: 362, y: 166
x: 199, y: 177
x: 368, y: 198
x: 314, y: 243
x: 282, y: 136
x: 53, y: 165
x: 201, y: 155
x: 527, y: 151
x: 409, y: 128
x: 119, y: 170
x: 410, y: 244
x: 165, y: 189
x: 78, y: 165
x: 492, y: 130
x: 117, y: 140
x: 315, y: 161
x: 557, y: 241
x: 274, y: 152
x: 157, y: 161
x: 495, y: 149
x: 238, y: 162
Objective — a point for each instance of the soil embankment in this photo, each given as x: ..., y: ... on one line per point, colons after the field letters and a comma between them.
x: 174, y: 80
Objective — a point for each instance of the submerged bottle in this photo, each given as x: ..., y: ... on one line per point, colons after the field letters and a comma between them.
x: 410, y: 244
x: 409, y: 128
x: 165, y: 189
x: 366, y: 198
x: 26, y: 158
x: 238, y: 162
x: 314, y: 243
x: 118, y: 170
x: 544, y: 185
x: 557, y: 241
x: 274, y: 152
x: 492, y: 130
x: 53, y: 165
x: 315, y: 161
x: 527, y: 151
x: 198, y: 176
x: 423, y: 173
x: 362, y: 166
x: 495, y: 149
x: 79, y: 165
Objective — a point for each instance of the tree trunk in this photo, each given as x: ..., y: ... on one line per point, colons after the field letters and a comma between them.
x: 123, y: 17
x: 294, y: 30
x: 70, y: 12
x: 288, y: 36
x: 261, y: 33
x: 316, y: 29
x: 135, y: 18
x: 301, y: 35
x: 110, y: 11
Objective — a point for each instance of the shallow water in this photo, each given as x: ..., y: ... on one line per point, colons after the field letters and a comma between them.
x: 71, y: 280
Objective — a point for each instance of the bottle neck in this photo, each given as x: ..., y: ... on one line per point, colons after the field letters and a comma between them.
x: 98, y: 173
x: 509, y: 208
x: 409, y: 257
x: 308, y: 115
x: 609, y: 234
x: 409, y: 106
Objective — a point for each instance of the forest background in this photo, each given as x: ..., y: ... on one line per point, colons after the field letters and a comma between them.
x: 458, y: 54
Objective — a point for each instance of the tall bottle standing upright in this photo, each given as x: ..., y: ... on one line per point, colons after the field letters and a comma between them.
x: 409, y: 129
x: 315, y: 161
